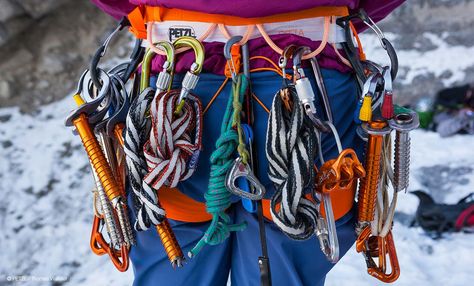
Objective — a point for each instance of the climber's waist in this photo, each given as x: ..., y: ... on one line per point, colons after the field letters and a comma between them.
x: 181, y: 207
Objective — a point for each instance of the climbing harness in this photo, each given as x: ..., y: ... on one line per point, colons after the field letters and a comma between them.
x: 150, y: 139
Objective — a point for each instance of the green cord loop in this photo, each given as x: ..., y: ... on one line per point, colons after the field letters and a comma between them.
x: 218, y: 198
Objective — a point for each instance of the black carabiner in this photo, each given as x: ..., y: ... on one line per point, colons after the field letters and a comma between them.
x: 94, y: 72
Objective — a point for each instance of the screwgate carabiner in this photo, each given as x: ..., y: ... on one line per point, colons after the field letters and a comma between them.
x: 163, y: 81
x: 191, y: 78
x: 304, y: 90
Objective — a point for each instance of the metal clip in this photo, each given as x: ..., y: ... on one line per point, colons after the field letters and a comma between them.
x: 163, y: 81
x: 238, y: 170
x: 192, y: 76
x: 305, y: 90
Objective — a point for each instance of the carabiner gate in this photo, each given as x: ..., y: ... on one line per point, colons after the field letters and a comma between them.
x: 191, y: 78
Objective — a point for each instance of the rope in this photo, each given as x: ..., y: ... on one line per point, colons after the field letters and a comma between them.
x: 136, y: 132
x: 218, y: 198
x: 175, y: 141
x: 290, y: 149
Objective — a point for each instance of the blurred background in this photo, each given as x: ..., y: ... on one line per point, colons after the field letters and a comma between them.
x: 45, y: 182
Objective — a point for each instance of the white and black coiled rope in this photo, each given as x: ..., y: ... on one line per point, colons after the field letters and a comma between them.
x: 291, y: 146
x: 136, y: 134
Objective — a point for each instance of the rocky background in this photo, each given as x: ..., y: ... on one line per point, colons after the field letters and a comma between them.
x: 44, y: 46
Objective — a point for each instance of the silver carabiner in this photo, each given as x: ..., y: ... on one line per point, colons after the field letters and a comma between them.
x: 329, y: 242
x: 305, y: 91
x: 238, y: 170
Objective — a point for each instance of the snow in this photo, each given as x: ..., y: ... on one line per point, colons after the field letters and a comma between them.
x: 424, y: 261
x: 444, y: 60
x: 45, y: 208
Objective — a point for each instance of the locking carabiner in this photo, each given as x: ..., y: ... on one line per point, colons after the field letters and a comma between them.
x: 304, y: 90
x: 385, y: 246
x: 163, y: 81
x: 191, y: 78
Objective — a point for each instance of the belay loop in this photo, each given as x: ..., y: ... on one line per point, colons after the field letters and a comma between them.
x: 218, y: 197
x: 291, y: 145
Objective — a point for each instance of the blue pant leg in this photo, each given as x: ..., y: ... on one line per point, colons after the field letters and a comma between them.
x: 291, y: 262
x: 152, y: 267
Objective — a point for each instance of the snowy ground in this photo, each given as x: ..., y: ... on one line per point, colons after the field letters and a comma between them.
x: 45, y: 200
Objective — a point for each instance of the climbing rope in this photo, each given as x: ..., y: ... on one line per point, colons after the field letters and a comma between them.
x: 147, y: 211
x: 290, y: 148
x: 172, y: 151
x: 218, y: 198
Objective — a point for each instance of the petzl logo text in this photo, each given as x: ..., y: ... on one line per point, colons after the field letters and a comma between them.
x: 180, y: 31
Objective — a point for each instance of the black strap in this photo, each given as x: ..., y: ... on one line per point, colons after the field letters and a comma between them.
x: 263, y: 261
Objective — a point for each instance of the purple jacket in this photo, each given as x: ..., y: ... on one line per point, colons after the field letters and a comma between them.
x: 252, y: 8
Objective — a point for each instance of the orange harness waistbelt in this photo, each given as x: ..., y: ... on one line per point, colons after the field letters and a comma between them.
x: 180, y: 207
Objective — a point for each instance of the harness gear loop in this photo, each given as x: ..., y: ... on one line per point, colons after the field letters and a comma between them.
x: 191, y: 78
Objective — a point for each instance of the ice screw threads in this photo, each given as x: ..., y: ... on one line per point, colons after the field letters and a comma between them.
x: 403, y: 123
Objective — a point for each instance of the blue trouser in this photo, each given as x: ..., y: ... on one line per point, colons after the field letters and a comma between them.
x: 291, y: 262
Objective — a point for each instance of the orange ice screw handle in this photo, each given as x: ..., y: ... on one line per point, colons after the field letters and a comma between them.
x: 97, y: 157
x: 170, y: 243
x: 369, y: 184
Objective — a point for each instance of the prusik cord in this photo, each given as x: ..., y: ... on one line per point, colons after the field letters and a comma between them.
x: 217, y: 196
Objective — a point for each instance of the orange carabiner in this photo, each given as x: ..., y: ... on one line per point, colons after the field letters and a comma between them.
x: 121, y: 265
x: 386, y: 246
x: 100, y: 247
x: 380, y: 272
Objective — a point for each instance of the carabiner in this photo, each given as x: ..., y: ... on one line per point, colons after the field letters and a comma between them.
x: 90, y: 108
x: 164, y: 77
x: 288, y: 53
x: 230, y: 53
x: 241, y: 170
x: 191, y: 78
x: 386, y: 246
x: 304, y: 90
x: 322, y: 88
x: 101, y: 52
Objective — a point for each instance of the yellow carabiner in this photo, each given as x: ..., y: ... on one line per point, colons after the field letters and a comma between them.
x: 168, y: 66
x: 191, y: 78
